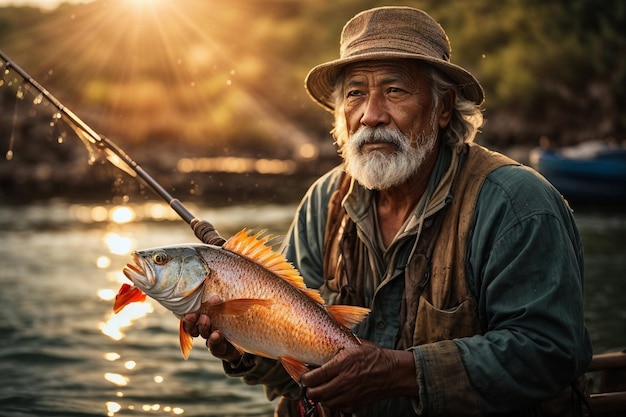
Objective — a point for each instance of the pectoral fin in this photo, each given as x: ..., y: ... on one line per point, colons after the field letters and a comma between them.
x: 294, y: 367
x: 126, y: 295
x: 186, y: 341
x: 234, y: 307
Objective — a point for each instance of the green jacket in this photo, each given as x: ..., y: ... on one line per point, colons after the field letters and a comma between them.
x: 524, y: 269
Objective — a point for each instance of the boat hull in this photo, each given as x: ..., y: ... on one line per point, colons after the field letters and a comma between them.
x: 599, y: 178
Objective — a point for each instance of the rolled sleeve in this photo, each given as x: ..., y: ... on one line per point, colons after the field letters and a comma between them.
x: 444, y: 387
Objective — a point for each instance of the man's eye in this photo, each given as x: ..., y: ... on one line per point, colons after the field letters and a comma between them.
x: 394, y: 91
x: 354, y: 93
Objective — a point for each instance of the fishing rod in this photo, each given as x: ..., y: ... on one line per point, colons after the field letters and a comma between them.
x: 204, y: 230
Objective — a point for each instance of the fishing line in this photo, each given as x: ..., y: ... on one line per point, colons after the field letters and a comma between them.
x: 9, y: 154
x: 114, y: 154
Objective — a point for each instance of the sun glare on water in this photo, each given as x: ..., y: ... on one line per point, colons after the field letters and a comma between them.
x: 113, y: 324
x: 122, y: 214
x: 116, y: 323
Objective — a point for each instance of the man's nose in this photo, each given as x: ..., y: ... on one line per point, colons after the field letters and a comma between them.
x: 375, y: 111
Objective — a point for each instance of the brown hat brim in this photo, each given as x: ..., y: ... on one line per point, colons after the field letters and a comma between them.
x: 321, y: 80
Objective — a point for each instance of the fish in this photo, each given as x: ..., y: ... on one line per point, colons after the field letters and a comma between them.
x: 265, y: 309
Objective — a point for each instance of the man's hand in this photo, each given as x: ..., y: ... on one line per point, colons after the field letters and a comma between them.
x: 200, y: 325
x: 359, y: 376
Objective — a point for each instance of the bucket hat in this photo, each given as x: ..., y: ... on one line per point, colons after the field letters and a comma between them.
x: 391, y: 33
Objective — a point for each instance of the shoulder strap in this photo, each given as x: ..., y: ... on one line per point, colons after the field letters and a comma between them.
x: 334, y: 222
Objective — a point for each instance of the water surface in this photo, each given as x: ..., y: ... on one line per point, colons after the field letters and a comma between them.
x: 63, y: 352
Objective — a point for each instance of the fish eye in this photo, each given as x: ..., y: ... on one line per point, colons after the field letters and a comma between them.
x: 160, y: 258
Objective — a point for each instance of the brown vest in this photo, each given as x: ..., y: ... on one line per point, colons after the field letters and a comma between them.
x: 437, y: 303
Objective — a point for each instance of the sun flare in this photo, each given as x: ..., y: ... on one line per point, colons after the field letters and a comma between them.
x: 146, y: 4
x: 161, y: 70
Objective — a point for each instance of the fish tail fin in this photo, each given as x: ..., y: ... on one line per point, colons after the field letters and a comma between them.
x: 348, y: 316
x: 294, y: 367
x: 186, y: 341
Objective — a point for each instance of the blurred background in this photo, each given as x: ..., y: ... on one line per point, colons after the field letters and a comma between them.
x: 208, y: 97
x: 181, y: 84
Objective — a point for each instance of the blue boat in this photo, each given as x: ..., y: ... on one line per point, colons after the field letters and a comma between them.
x: 592, y: 172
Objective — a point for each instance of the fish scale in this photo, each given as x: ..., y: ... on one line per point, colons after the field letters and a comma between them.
x: 265, y: 307
x: 291, y: 333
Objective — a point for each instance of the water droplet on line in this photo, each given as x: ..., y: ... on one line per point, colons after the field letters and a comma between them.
x: 9, y: 155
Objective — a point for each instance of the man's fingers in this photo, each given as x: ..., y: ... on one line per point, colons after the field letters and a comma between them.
x: 190, y: 324
x: 222, y: 348
x: 217, y: 345
x: 325, y: 391
x: 319, y: 381
x: 200, y: 325
x: 204, y: 326
x: 197, y: 325
x: 315, y: 377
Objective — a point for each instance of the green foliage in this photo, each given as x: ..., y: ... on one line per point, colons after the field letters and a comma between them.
x: 228, y: 74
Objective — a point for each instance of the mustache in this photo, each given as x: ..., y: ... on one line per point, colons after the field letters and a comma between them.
x: 366, y: 135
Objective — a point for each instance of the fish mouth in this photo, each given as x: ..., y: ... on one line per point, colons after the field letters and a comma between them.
x: 138, y: 272
x: 131, y: 270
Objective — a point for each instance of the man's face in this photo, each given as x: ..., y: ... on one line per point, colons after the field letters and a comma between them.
x: 391, y: 122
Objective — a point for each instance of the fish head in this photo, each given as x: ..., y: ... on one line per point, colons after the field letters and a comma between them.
x: 172, y: 275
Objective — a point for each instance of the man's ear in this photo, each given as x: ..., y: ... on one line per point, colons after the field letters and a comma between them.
x: 447, y: 107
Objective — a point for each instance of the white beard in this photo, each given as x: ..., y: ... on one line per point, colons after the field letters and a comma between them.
x: 377, y: 170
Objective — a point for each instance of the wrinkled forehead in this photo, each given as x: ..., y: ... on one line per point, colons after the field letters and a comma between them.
x: 401, y: 69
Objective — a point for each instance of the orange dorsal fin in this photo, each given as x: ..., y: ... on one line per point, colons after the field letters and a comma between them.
x: 348, y: 316
x: 126, y: 295
x: 186, y: 341
x: 294, y: 367
x: 254, y: 247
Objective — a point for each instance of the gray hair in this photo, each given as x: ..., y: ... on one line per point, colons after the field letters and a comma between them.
x: 465, y: 122
x: 467, y: 118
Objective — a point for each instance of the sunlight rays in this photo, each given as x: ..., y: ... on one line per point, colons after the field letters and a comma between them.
x: 172, y: 70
